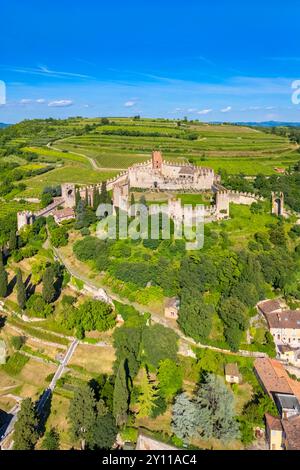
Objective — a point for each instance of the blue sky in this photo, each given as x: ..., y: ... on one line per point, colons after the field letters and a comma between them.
x: 209, y: 60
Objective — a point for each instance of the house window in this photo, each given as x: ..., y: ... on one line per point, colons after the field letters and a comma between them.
x: 278, y: 336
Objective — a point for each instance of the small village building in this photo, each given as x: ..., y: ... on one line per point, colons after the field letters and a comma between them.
x: 288, y: 354
x: 269, y: 306
x: 232, y: 374
x: 274, y: 379
x: 291, y: 433
x: 172, y: 308
x: 63, y: 214
x: 274, y: 432
x: 288, y: 405
x: 284, y: 326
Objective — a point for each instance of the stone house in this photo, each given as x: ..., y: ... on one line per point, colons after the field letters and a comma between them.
x: 232, y: 374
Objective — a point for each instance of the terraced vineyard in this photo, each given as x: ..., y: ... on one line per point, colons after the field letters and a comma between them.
x: 234, y: 148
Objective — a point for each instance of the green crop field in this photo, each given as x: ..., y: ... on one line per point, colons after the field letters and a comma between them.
x: 233, y: 148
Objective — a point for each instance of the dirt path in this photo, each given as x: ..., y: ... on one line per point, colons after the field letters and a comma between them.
x: 93, y: 162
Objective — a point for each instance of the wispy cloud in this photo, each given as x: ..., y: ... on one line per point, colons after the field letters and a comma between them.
x: 204, y: 111
x: 31, y: 101
x: 129, y: 104
x: 43, y: 70
x: 60, y: 103
x: 226, y: 110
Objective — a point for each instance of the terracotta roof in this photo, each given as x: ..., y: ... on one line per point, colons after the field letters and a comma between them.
x: 285, y: 319
x: 62, y: 213
x: 269, y: 306
x: 232, y: 369
x: 273, y: 422
x: 291, y: 428
x: 275, y: 378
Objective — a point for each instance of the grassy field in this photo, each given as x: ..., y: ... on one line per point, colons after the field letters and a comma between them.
x: 70, y: 173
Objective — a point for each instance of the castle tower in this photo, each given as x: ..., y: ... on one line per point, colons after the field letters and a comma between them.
x: 121, y: 196
x: 157, y: 160
x: 24, y: 218
x: 278, y: 204
x: 68, y: 194
x: 222, y: 203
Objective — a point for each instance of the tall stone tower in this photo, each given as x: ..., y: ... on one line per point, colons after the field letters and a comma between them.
x: 68, y: 194
x: 24, y: 218
x: 157, y: 160
x: 222, y: 203
x: 278, y: 204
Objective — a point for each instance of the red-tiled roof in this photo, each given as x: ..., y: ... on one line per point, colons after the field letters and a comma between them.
x: 273, y: 422
x: 291, y: 428
x: 275, y: 378
x: 285, y: 319
x: 269, y: 306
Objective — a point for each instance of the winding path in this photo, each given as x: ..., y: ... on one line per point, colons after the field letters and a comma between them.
x: 93, y: 162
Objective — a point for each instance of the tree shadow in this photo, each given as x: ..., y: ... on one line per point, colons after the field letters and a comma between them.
x: 11, y: 285
x: 2, y: 322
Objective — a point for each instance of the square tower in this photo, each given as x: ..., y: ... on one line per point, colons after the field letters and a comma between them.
x: 157, y: 160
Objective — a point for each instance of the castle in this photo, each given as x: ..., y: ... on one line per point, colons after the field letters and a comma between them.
x: 153, y: 175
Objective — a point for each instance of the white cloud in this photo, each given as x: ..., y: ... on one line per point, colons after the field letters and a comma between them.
x: 25, y: 101
x: 60, y: 103
x: 226, y: 110
x: 204, y: 111
x: 129, y: 104
x: 192, y: 110
x: 41, y: 100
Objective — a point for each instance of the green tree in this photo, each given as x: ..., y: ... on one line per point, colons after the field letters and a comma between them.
x: 104, y: 432
x: 49, y: 291
x: 25, y: 434
x: 195, y: 316
x: 82, y: 413
x: 13, y: 242
x: 127, y: 343
x: 3, y: 278
x: 121, y: 396
x: 148, y: 395
x: 216, y: 408
x: 104, y: 196
x: 51, y: 440
x: 234, y: 315
x: 170, y: 377
x: 184, y: 417
x: 159, y: 343
x: 21, y: 291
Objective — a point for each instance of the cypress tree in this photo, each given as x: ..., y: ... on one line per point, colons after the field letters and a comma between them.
x: 25, y: 435
x: 104, y: 197
x: 13, y: 243
x: 82, y: 413
x: 3, y: 278
x: 77, y: 197
x: 121, y: 396
x: 49, y: 290
x: 21, y: 291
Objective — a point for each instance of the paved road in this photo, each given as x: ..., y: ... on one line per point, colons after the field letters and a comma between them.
x: 8, y: 428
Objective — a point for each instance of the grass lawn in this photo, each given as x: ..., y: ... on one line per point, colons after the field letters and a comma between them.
x: 94, y: 359
x: 71, y: 173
